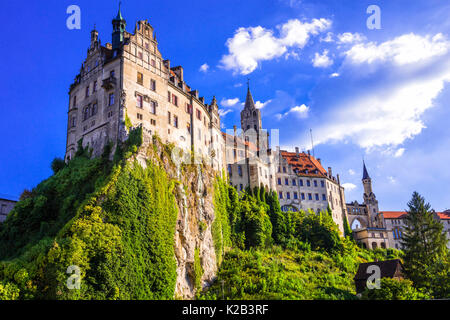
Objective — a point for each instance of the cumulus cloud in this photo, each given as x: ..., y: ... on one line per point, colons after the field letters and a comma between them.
x: 230, y: 102
x: 391, y: 112
x: 204, y: 67
x: 327, y: 38
x: 322, y: 60
x: 399, y: 152
x: 405, y: 49
x: 334, y: 75
x: 249, y: 46
x: 348, y: 37
x: 300, y: 111
x: 260, y: 105
x: 349, y: 186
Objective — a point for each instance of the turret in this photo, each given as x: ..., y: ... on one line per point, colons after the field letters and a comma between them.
x: 250, y: 116
x: 367, y: 182
x: 119, y: 25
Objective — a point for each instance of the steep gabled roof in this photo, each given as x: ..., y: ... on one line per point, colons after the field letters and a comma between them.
x: 302, y: 162
x: 249, y: 103
x: 365, y: 173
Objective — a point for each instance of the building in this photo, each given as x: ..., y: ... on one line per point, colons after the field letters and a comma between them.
x: 392, y: 269
x: 365, y: 219
x: 303, y: 184
x: 128, y: 82
x: 395, y: 223
x: 6, y: 205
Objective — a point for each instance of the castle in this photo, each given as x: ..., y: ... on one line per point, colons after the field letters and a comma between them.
x: 129, y: 82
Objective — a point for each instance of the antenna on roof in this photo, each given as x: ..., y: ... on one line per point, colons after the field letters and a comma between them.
x: 312, y: 143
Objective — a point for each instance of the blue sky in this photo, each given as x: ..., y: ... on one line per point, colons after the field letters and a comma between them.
x: 382, y: 95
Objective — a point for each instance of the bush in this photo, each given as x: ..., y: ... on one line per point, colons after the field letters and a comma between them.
x: 394, y: 289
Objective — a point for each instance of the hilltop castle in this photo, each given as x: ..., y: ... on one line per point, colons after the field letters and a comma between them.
x: 128, y: 82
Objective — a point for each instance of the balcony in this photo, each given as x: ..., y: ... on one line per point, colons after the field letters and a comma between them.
x: 109, y: 83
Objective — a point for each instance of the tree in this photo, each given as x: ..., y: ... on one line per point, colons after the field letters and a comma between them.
x: 57, y: 165
x: 424, y: 245
x: 394, y: 289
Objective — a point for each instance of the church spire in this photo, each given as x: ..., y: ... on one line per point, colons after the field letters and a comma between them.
x: 365, y: 173
x: 119, y: 25
x: 249, y: 103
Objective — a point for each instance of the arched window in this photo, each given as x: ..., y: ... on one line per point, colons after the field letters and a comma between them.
x: 374, y: 245
x: 383, y: 245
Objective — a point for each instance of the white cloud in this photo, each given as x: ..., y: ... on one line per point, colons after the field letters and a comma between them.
x: 348, y: 37
x: 399, y: 152
x: 351, y: 172
x: 223, y: 112
x: 249, y: 46
x: 405, y: 49
x: 300, y: 111
x: 229, y: 102
x: 328, y: 38
x: 391, y: 112
x: 260, y: 105
x: 392, y: 179
x: 334, y: 75
x: 204, y: 67
x: 349, y: 186
x: 322, y: 60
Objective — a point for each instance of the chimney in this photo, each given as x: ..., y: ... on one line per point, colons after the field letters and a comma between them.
x: 297, y: 151
x: 330, y: 173
x: 338, y: 179
x: 309, y: 153
x: 320, y: 161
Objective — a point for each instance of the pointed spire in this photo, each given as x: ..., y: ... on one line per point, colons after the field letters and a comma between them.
x: 119, y: 14
x: 249, y: 103
x: 365, y: 173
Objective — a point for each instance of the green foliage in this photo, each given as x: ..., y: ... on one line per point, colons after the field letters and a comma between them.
x: 115, y: 221
x: 198, y: 269
x: 426, y: 259
x: 394, y: 289
x: 57, y: 165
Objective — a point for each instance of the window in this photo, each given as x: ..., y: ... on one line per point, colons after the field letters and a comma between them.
x: 295, y: 195
x: 86, y: 113
x: 301, y: 183
x: 74, y: 101
x: 175, y: 121
x: 94, y: 109
x: 169, y: 117
x: 322, y: 184
x: 139, y: 100
x: 199, y: 135
x: 94, y: 89
x: 140, y: 55
x: 153, y: 62
x: 112, y: 74
x: 139, y: 116
x: 309, y: 196
x: 279, y: 181
x: 280, y: 195
x: 199, y: 114
x: 303, y: 196
x: 308, y: 183
x: 286, y: 181
x: 188, y: 108
x: 294, y: 182
x: 288, y: 195
x: 240, y: 171
x: 175, y: 100
x: 73, y: 122
x: 284, y: 169
x: 152, y: 85
x: 230, y: 172
x: 153, y: 107
x: 241, y: 187
x: 324, y: 197
x: 169, y: 96
x: 153, y: 122
x: 317, y: 196
x: 87, y: 91
x: 315, y: 183
x: 140, y: 78
x: 111, y: 99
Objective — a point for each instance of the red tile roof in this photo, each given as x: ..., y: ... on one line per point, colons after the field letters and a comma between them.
x: 402, y: 214
x: 303, y: 162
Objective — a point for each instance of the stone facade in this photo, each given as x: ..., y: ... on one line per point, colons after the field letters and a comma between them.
x: 130, y: 81
x: 6, y: 206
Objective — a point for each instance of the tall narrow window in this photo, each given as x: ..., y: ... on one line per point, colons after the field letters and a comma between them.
x: 152, y: 85
x: 169, y: 96
x: 95, y: 87
x: 169, y: 117
x: 153, y: 107
x: 111, y: 99
x: 94, y: 109
x: 87, y: 91
x: 112, y: 74
x: 139, y: 101
x: 175, y: 121
x: 74, y: 101
x: 140, y: 78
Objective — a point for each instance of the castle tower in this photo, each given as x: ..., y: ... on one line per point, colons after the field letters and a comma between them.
x: 369, y: 199
x: 119, y: 25
x: 94, y: 38
x: 250, y: 116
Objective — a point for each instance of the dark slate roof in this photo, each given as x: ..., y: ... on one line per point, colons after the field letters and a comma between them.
x: 249, y: 103
x: 388, y: 269
x: 365, y: 173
